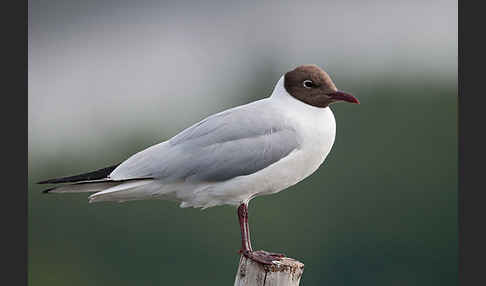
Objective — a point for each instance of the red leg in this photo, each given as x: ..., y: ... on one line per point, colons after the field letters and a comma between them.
x: 246, y: 249
x: 245, y: 230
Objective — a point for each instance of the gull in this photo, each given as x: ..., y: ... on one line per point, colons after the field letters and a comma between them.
x: 231, y: 157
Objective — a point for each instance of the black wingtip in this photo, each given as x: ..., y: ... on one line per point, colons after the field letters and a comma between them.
x: 47, y: 191
x: 95, y: 175
x: 53, y: 181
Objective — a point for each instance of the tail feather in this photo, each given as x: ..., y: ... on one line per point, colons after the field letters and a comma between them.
x: 98, y: 182
x: 90, y: 186
x: 127, y: 191
x: 84, y: 187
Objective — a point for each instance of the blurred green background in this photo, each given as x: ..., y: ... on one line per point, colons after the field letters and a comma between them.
x: 381, y: 210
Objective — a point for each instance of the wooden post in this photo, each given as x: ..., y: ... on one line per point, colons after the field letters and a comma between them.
x: 286, y: 272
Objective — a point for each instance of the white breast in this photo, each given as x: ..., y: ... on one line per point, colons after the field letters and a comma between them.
x: 316, y: 128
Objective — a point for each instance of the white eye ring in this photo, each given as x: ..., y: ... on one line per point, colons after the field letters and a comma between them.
x: 308, y: 83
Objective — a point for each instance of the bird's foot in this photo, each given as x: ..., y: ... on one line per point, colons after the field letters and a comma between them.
x: 262, y: 256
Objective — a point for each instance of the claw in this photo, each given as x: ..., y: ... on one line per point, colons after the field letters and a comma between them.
x: 263, y: 257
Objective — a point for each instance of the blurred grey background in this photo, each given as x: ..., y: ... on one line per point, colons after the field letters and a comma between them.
x: 110, y: 78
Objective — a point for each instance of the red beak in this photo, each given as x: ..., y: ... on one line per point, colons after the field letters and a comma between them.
x: 341, y: 95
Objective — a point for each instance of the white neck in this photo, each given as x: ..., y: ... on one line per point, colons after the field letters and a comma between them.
x: 279, y: 89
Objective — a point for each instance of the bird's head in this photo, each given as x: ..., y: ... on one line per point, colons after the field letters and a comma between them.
x: 312, y: 85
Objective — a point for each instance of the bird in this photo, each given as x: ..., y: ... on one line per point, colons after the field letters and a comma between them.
x: 259, y: 148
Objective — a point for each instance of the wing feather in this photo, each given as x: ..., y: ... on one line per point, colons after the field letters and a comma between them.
x: 233, y: 143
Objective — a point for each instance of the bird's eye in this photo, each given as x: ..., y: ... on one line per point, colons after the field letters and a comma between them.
x: 308, y: 83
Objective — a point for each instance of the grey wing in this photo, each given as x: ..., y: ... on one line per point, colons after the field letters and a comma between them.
x: 233, y: 143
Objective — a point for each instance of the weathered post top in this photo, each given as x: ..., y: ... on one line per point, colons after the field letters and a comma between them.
x: 285, y: 272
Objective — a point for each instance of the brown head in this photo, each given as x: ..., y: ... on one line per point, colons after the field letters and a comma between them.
x: 312, y: 85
